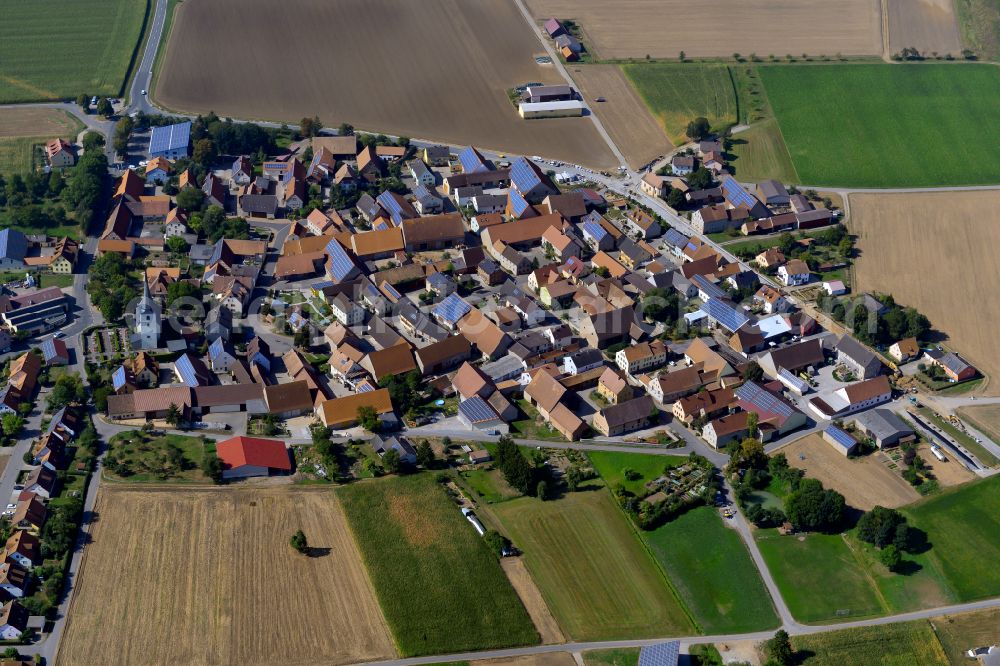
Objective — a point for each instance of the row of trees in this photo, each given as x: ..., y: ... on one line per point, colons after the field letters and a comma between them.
x: 527, y: 477
x: 895, y: 323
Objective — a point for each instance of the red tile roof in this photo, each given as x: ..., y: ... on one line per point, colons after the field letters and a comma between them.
x: 240, y: 451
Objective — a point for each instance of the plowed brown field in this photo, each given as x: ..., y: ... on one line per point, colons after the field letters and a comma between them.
x: 663, y: 28
x: 437, y: 70
x: 207, y: 576
x: 623, y: 113
x: 927, y: 25
x: 937, y: 252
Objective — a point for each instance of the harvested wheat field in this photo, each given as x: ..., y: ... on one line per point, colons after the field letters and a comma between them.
x: 623, y: 113
x: 927, y: 25
x: 436, y: 70
x: 38, y: 121
x: 985, y: 418
x: 663, y: 28
x: 541, y: 659
x: 531, y: 597
x: 937, y: 252
x: 207, y: 576
x: 864, y: 482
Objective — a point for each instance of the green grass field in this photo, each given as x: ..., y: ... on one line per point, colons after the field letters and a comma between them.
x: 64, y: 47
x: 597, y: 579
x: 678, y: 93
x: 439, y: 586
x: 489, y: 485
x: 136, y: 457
x: 904, y: 644
x: 17, y: 154
x: 759, y: 153
x: 612, y: 657
x: 819, y: 578
x: 713, y: 573
x: 889, y: 125
x: 963, y: 526
x: 611, y: 465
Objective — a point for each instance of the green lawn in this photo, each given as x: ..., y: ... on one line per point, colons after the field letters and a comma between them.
x: 759, y: 153
x: 489, y: 485
x: 597, y: 579
x: 612, y: 657
x: 889, y: 125
x: 963, y: 526
x: 439, y: 586
x: 61, y: 48
x: 532, y: 426
x: 678, y: 93
x: 713, y: 573
x: 137, y: 457
x: 819, y: 578
x: 611, y: 465
x: 904, y: 644
x: 17, y: 154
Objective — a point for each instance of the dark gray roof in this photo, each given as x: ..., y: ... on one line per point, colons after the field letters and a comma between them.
x: 856, y: 351
x: 628, y: 411
x: 259, y: 203
x: 882, y: 423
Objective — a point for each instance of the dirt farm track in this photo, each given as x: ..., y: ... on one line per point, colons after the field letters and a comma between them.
x: 206, y: 576
x: 663, y: 28
x: 937, y: 252
x: 436, y: 69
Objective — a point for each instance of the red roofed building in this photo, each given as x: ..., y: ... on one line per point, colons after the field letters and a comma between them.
x: 243, y: 457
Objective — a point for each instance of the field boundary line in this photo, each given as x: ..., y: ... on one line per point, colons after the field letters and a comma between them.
x: 868, y: 575
x: 649, y: 553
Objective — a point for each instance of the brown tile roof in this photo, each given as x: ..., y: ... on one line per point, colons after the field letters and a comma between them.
x: 545, y: 391
x: 868, y: 389
x: 288, y: 397
x: 565, y: 420
x: 450, y: 347
x: 603, y: 259
x: 346, y: 145
x: 469, y: 381
x: 158, y: 162
x: 130, y: 185
x: 434, y: 229
x: 377, y: 242
x: 305, y: 245
x: 342, y: 412
x: 522, y: 231
x: 297, y: 265
x: 613, y: 381
x: 395, y: 360
x: 484, y: 334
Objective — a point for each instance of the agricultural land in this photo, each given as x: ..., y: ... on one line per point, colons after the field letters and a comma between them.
x: 927, y: 25
x: 410, y: 94
x: 624, y: 115
x: 210, y: 597
x: 864, y: 482
x: 986, y: 418
x: 66, y: 47
x: 677, y: 93
x: 837, y: 135
x: 594, y: 573
x: 892, y: 231
x: 431, y: 570
x: 909, y: 644
x: 617, y: 30
x: 23, y: 129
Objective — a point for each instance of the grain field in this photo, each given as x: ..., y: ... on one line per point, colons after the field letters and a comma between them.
x: 436, y: 70
x: 623, y: 113
x: 927, y: 25
x: 663, y: 28
x: 207, y: 577
x: 937, y: 252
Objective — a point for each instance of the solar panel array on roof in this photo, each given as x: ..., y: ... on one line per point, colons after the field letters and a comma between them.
x: 13, y: 244
x: 792, y: 381
x: 675, y: 238
x: 736, y: 195
x: 382, y: 225
x: 594, y: 230
x: 365, y: 387
x: 524, y: 175
x: 472, y: 161
x: 661, y: 654
x: 728, y: 317
x: 170, y: 137
x: 518, y: 204
x: 216, y: 349
x: 391, y: 291
x: 452, y: 308
x: 763, y: 400
x: 340, y: 265
x: 186, y: 370
x: 392, y: 206
x: 118, y: 379
x: 710, y: 288
x: 477, y: 410
x: 841, y: 437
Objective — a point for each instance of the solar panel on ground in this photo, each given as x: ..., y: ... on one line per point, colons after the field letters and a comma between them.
x: 661, y: 654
